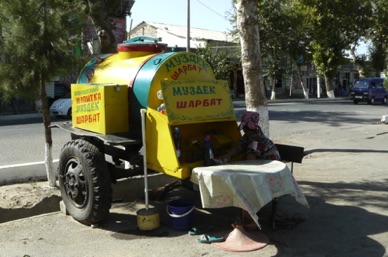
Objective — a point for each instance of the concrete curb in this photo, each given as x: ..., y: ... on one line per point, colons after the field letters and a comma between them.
x: 19, y: 173
x: 125, y: 190
x: 20, y: 116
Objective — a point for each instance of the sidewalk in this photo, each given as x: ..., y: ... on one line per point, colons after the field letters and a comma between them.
x: 348, y: 217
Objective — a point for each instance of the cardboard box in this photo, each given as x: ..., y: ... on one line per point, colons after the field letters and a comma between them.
x: 100, y: 108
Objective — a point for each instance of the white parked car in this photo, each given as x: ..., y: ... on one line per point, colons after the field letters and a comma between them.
x: 61, y: 108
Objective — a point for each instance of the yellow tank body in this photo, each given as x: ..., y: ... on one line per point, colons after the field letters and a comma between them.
x: 178, y: 90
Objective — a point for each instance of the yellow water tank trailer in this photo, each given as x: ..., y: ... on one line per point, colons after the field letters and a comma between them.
x: 179, y: 92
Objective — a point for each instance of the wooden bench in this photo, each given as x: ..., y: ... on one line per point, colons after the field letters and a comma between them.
x: 290, y: 153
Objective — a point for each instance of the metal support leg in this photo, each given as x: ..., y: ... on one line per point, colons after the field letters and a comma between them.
x: 273, y: 213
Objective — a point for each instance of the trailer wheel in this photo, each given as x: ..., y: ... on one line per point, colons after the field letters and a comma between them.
x: 84, y: 182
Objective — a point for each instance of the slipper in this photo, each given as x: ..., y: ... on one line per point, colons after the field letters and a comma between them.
x: 200, y: 230
x: 206, y: 239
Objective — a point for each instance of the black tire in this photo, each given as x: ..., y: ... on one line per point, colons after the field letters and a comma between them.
x: 385, y: 100
x: 372, y: 101
x: 84, y: 182
x: 355, y: 101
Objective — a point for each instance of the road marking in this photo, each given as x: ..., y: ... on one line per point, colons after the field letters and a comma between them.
x: 24, y: 164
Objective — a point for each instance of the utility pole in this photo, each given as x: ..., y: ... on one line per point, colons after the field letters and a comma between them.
x: 188, y: 26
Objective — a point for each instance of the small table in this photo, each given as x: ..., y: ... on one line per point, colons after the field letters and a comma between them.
x: 249, y: 185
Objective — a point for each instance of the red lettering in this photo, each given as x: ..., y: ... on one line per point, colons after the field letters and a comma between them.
x: 198, y: 103
x: 175, y: 76
x: 184, y: 69
x: 181, y: 104
x: 91, y: 118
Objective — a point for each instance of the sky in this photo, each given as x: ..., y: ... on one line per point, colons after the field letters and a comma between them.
x: 204, y: 14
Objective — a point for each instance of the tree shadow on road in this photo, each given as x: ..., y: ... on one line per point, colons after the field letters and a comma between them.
x: 334, y: 119
x: 344, y: 219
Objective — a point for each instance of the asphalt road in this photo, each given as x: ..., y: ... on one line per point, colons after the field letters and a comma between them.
x: 290, y: 118
x: 23, y: 140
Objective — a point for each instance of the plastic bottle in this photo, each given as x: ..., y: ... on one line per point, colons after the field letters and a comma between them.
x: 207, y: 151
x: 161, y: 109
x: 177, y: 141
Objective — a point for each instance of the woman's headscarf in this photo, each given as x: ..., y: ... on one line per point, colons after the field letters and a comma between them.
x: 249, y: 120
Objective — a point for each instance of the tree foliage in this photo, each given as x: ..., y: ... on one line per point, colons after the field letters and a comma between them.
x: 101, y: 11
x: 218, y: 61
x: 273, y: 21
x: 321, y: 32
x: 332, y: 29
x: 38, y: 38
x: 282, y: 38
x: 378, y: 35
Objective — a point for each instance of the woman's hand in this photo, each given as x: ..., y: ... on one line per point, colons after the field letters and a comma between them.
x: 250, y: 156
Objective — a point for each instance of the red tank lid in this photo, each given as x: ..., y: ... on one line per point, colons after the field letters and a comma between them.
x: 142, y: 44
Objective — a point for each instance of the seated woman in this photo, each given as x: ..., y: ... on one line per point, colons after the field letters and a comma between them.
x: 254, y: 144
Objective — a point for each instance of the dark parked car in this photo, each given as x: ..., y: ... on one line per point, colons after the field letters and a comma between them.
x: 369, y: 90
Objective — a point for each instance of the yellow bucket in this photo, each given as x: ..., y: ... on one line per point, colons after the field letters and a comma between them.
x: 148, y: 219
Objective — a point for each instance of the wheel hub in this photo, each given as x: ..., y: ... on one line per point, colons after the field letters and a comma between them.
x: 73, y: 186
x: 74, y: 182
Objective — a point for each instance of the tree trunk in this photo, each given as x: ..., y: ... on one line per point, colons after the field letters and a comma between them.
x: 273, y: 85
x: 305, y: 91
x: 248, y: 28
x: 48, y: 138
x: 329, y: 87
x: 102, y: 25
x: 319, y: 91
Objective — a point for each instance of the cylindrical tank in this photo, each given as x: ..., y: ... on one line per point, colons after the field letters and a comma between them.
x: 142, y: 66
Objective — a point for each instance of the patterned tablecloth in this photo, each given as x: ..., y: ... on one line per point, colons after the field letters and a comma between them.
x: 249, y: 185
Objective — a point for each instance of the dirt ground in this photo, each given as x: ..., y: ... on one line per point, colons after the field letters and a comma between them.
x: 26, y: 199
x: 343, y: 176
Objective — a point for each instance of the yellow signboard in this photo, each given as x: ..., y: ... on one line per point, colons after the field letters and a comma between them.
x: 193, y: 101
x: 100, y: 108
